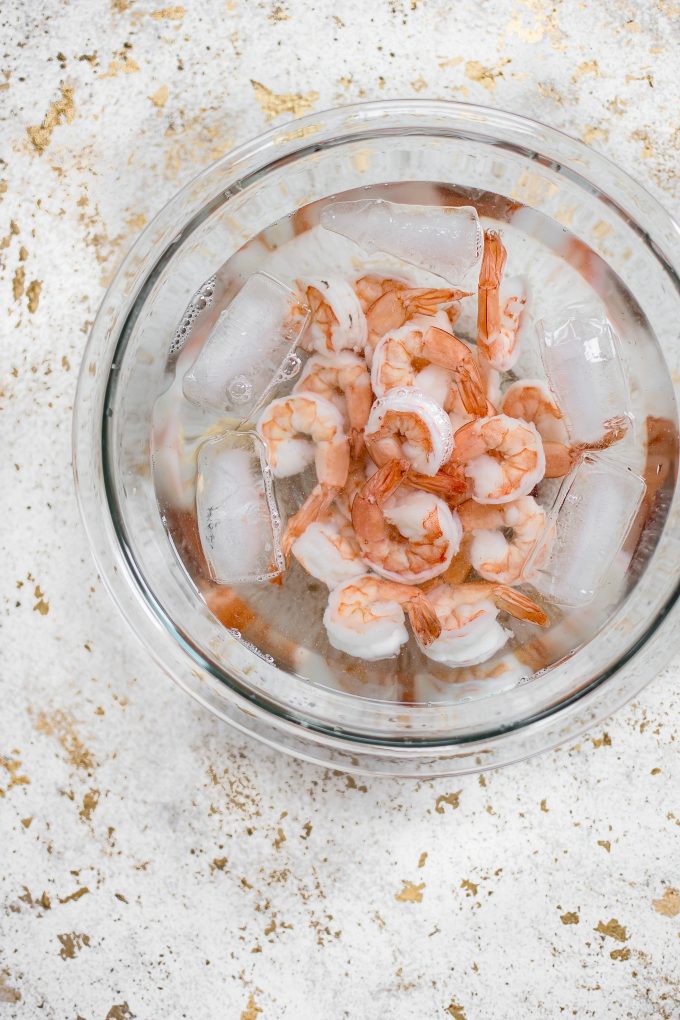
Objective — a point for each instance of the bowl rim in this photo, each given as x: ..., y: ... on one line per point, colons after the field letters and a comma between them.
x: 95, y: 527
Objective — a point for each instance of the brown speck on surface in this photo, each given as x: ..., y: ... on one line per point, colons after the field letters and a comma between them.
x: 273, y: 104
x: 61, y: 110
x: 252, y: 1009
x: 72, y: 943
x: 41, y: 606
x: 455, y: 1010
x: 571, y: 917
x: 26, y: 822
x: 12, y: 766
x: 604, y: 741
x: 218, y: 864
x: 280, y: 839
x: 470, y: 887
x: 18, y: 283
x: 13, y: 231
x: 669, y: 904
x: 160, y: 96
x: 655, y: 772
x: 90, y: 801
x: 278, y: 14
x: 422, y: 859
x: 410, y: 893
x: 33, y: 295
x: 23, y: 253
x: 620, y: 954
x: 120, y: 1011
x: 612, y: 929
x: 83, y: 891
x: 7, y: 993
x: 169, y: 14
x: 605, y: 844
x: 544, y: 806
x: 452, y: 799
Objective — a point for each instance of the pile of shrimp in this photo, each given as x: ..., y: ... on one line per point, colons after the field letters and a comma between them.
x: 427, y: 463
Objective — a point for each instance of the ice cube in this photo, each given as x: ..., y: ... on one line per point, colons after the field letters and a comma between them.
x: 585, y: 530
x: 238, y: 518
x: 250, y: 350
x: 582, y: 358
x: 445, y: 240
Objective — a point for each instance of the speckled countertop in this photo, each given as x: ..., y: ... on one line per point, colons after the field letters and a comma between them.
x: 153, y: 863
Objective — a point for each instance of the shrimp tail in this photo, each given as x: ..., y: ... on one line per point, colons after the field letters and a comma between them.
x: 367, y: 516
x: 560, y: 458
x: 429, y: 301
x: 472, y: 393
x: 423, y: 619
x: 454, y: 488
x: 490, y: 276
x: 518, y: 605
x: 316, y: 504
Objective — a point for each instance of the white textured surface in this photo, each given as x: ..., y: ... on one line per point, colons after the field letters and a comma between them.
x: 223, y: 881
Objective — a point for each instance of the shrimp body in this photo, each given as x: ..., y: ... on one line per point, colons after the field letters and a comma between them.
x: 398, y: 303
x: 284, y: 426
x: 365, y: 617
x: 495, y: 557
x: 500, y: 306
x: 342, y: 379
x: 503, y: 457
x: 329, y: 551
x: 531, y: 400
x: 404, y: 535
x: 468, y: 614
x: 398, y: 358
x: 409, y: 424
x: 337, y: 321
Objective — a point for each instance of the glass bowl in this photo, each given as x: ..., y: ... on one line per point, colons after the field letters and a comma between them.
x: 519, y: 168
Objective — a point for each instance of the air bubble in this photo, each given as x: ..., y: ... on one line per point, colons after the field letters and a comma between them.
x: 240, y: 390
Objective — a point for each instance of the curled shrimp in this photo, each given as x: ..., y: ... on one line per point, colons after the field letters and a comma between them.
x: 337, y: 318
x: 365, y: 617
x: 470, y: 632
x: 532, y: 400
x: 503, y: 457
x: 328, y: 550
x: 397, y: 356
x: 406, y: 423
x: 560, y: 458
x: 398, y: 303
x: 494, y: 556
x: 500, y: 306
x: 283, y: 426
x: 342, y: 379
x: 404, y: 535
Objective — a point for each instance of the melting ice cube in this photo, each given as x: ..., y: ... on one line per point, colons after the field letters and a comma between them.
x: 445, y: 240
x: 238, y: 518
x: 585, y: 530
x: 582, y: 359
x: 250, y: 350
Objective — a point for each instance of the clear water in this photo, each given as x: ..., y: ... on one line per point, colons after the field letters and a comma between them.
x: 285, y: 622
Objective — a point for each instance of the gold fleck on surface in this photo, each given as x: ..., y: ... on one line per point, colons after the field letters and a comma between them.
x: 422, y: 859
x: 647, y: 146
x: 452, y: 799
x: 7, y: 993
x: 571, y: 917
x: 586, y: 68
x: 18, y: 283
x: 605, y: 844
x: 595, y: 134
x: 33, y: 295
x: 410, y: 893
x: 90, y: 801
x: 62, y: 726
x: 612, y: 929
x: 12, y: 766
x: 61, y: 110
x: 669, y: 904
x: 83, y: 891
x: 470, y: 887
x: 252, y: 1009
x: 23, y: 253
x: 41, y: 606
x: 71, y: 944
x: 455, y: 1010
x: 484, y: 76
x: 419, y: 84
x: 120, y: 1011
x: 620, y: 954
x: 280, y: 839
x: 549, y: 91
x: 218, y: 864
x: 273, y: 104
x: 655, y: 772
x: 301, y: 132
x: 604, y: 741
x: 160, y: 96
x: 278, y: 14
x: 544, y: 806
x: 26, y: 822
x: 126, y: 65
x: 169, y: 14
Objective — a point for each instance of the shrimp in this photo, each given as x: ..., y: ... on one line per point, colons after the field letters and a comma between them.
x: 337, y: 321
x: 468, y: 613
x: 365, y: 617
x: 396, y: 357
x: 285, y: 420
x: 560, y: 458
x: 343, y: 380
x: 315, y: 506
x: 397, y: 303
x: 409, y: 424
x: 404, y: 536
x: 500, y: 306
x: 532, y: 400
x: 493, y: 556
x: 502, y: 457
x: 329, y: 551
